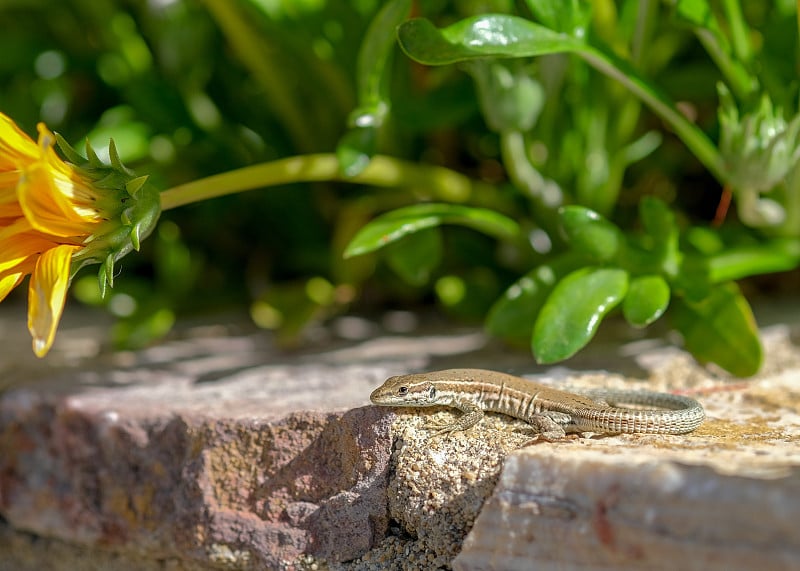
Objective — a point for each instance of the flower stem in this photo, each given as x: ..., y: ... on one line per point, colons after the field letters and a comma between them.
x: 385, y: 171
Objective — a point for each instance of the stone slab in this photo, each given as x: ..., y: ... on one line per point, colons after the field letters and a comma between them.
x: 636, y: 509
x: 217, y: 450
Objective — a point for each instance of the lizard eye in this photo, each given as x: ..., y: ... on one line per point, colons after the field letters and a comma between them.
x: 432, y: 393
x: 402, y: 391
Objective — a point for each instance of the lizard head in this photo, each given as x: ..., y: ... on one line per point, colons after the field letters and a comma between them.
x: 405, y: 390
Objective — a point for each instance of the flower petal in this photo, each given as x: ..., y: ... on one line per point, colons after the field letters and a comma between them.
x: 47, y: 209
x: 12, y: 210
x: 17, y: 248
x: 8, y: 184
x: 13, y: 227
x: 47, y: 293
x: 9, y: 282
x: 15, y: 145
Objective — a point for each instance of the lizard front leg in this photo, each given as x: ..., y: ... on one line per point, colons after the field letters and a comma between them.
x: 472, y: 415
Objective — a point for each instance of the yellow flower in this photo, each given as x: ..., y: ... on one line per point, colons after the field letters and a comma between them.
x: 57, y: 216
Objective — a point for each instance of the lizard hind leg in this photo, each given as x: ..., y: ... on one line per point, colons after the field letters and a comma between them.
x: 550, y: 425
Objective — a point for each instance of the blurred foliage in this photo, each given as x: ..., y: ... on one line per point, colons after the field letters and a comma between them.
x: 590, y: 188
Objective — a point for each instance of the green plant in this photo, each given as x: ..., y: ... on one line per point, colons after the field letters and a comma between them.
x: 544, y: 135
x: 594, y: 265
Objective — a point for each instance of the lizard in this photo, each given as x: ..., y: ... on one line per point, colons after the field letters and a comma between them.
x: 551, y: 412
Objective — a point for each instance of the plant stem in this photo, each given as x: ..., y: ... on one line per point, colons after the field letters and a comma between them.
x: 692, y: 136
x: 742, y: 83
x: 738, y: 29
x: 545, y: 195
x: 382, y: 171
x: 642, y: 32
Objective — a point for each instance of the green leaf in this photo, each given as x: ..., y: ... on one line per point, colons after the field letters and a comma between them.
x: 721, y: 329
x: 573, y: 311
x: 737, y: 262
x: 396, y: 224
x: 590, y: 233
x: 647, y: 300
x: 512, y: 316
x: 503, y: 36
x: 415, y: 257
x: 491, y: 35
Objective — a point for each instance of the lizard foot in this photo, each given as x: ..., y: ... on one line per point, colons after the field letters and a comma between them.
x: 464, y: 422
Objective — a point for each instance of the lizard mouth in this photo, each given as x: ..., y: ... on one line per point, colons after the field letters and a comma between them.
x: 377, y: 398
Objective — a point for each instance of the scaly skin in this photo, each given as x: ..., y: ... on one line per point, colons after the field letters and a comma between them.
x: 551, y: 412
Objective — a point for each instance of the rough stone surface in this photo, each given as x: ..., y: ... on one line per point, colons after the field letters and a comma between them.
x: 595, y: 509
x: 242, y: 493
x: 434, y: 499
x: 182, y: 454
x: 215, y: 450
